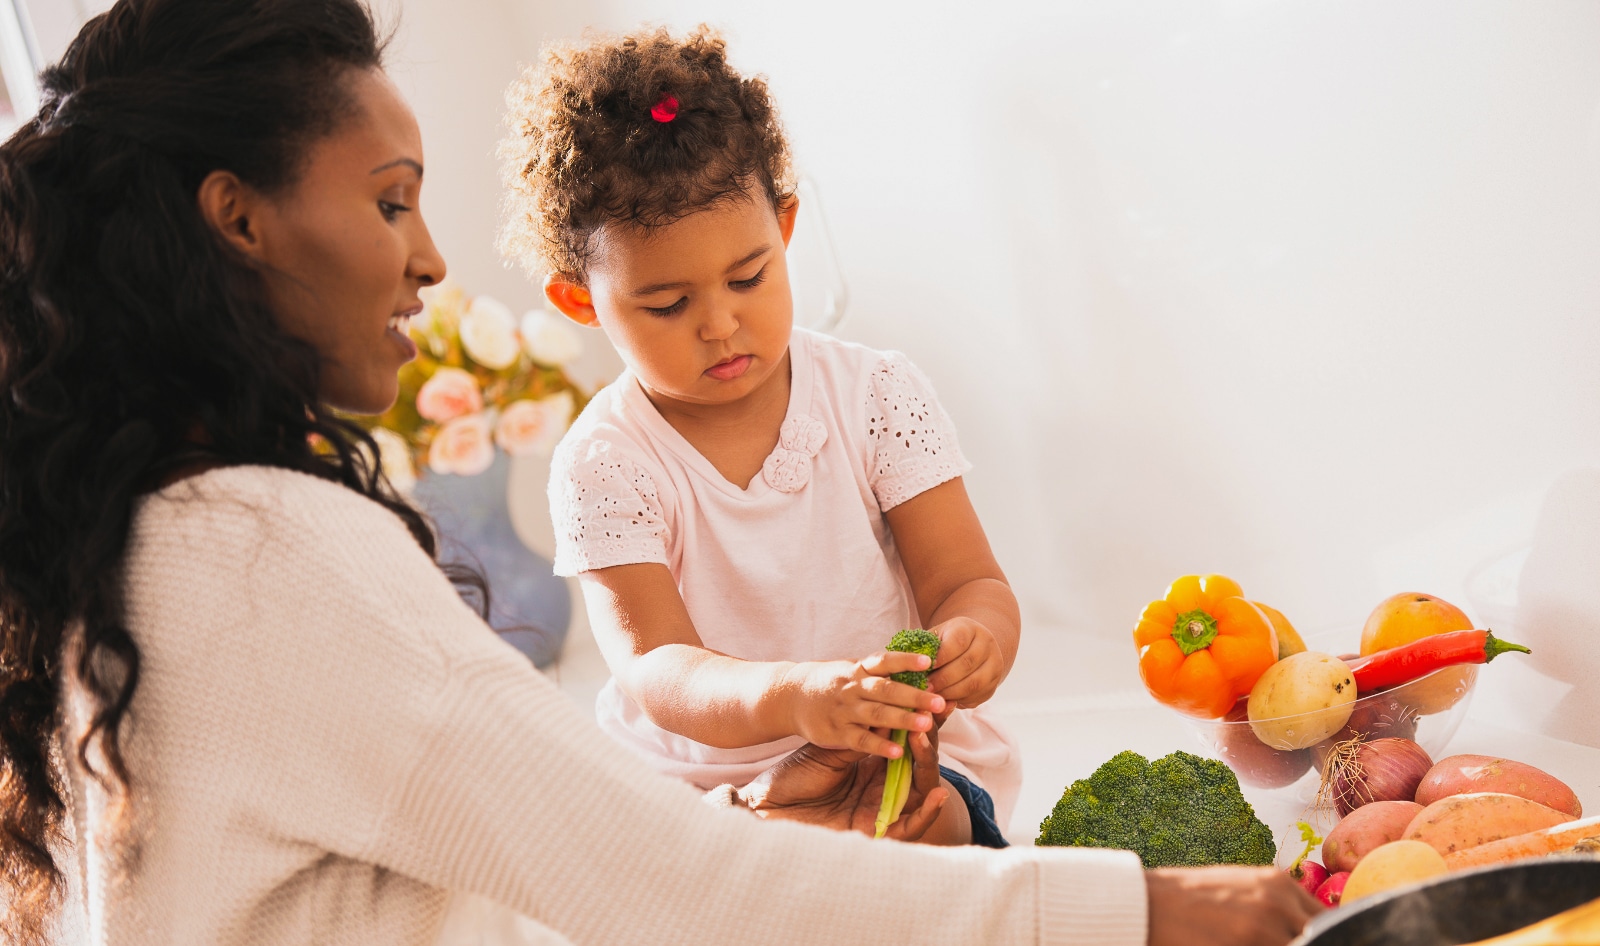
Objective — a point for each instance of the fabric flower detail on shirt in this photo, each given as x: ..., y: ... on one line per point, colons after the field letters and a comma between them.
x: 788, y: 469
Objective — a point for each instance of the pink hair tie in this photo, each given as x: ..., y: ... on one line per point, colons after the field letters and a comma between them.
x: 665, y: 109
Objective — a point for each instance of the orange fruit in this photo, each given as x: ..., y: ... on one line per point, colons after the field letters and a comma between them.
x: 1289, y: 641
x: 1408, y: 616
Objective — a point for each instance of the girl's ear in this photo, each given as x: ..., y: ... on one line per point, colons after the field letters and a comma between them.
x: 567, y: 295
x: 232, y: 209
x: 788, y: 210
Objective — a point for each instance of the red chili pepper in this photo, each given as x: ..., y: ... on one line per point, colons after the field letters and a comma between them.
x: 1405, y: 663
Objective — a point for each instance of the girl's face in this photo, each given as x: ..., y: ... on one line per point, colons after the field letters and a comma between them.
x: 344, y: 249
x: 699, y: 309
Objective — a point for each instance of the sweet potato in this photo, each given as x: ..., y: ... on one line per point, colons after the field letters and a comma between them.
x: 1464, y: 774
x: 1463, y: 821
x: 1562, y: 837
x: 1373, y: 824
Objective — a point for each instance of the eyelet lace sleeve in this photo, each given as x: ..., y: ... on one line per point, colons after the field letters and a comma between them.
x: 605, y: 510
x: 912, y: 440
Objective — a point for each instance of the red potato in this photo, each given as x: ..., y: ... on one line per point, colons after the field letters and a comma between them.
x: 1372, y: 825
x: 1463, y: 821
x: 1464, y: 774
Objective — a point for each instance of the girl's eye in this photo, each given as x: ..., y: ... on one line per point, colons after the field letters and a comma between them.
x: 752, y: 282
x: 674, y: 309
x: 391, y: 211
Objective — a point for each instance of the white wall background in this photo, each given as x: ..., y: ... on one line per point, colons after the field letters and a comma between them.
x: 1305, y: 292
x: 1301, y: 291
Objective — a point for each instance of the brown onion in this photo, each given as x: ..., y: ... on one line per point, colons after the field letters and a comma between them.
x: 1358, y: 771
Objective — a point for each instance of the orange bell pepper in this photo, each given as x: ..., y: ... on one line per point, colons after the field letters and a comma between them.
x: 1203, y: 646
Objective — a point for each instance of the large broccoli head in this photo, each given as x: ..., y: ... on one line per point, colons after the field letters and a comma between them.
x: 1178, y: 811
x: 915, y: 641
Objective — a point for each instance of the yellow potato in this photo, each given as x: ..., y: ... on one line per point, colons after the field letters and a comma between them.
x: 1301, y: 700
x: 1392, y: 865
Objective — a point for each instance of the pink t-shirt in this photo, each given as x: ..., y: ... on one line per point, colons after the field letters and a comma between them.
x: 800, y: 565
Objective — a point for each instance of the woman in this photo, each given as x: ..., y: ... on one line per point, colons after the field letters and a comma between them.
x: 278, y: 722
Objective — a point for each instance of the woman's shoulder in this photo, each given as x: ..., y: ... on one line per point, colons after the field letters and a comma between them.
x: 248, y: 505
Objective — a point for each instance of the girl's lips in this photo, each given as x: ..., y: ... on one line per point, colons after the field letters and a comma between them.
x: 730, y: 369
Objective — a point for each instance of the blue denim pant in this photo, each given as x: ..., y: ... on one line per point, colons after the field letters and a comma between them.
x: 980, y: 809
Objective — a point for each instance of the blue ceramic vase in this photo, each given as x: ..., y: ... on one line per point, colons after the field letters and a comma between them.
x: 529, y: 606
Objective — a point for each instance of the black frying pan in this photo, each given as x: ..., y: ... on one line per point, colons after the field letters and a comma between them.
x: 1463, y: 907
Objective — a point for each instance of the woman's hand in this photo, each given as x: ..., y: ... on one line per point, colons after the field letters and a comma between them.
x: 970, y: 666
x: 840, y: 789
x: 1226, y: 906
x: 836, y: 704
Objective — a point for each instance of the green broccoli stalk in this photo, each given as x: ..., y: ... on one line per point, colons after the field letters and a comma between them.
x: 1178, y: 811
x: 897, y: 780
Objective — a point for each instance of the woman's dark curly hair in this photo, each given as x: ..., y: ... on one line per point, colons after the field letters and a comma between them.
x: 582, y: 148
x: 135, y: 345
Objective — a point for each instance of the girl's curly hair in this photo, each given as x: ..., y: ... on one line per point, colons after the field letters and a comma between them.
x: 582, y: 148
x: 135, y: 346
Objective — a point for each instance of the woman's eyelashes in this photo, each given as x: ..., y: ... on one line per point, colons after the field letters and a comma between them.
x: 391, y: 211
x: 683, y: 301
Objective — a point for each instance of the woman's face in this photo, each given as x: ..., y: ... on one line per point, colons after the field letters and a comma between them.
x: 345, y: 248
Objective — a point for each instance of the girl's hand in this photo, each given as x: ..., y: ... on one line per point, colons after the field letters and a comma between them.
x: 970, y: 665
x: 837, y: 704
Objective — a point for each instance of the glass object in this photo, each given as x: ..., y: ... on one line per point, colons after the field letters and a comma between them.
x: 1427, y: 711
x: 815, y: 280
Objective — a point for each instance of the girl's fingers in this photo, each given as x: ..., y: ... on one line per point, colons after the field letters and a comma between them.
x: 886, y: 691
x: 885, y: 662
x: 865, y: 740
x: 959, y: 668
x: 884, y: 716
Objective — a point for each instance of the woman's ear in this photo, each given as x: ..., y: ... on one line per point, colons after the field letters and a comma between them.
x: 788, y: 210
x: 571, y: 298
x: 231, y: 208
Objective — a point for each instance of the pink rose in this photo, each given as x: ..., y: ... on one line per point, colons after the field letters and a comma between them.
x: 449, y: 394
x: 533, y: 427
x: 464, y: 446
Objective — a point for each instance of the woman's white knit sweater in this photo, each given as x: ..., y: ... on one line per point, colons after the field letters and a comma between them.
x: 326, y: 741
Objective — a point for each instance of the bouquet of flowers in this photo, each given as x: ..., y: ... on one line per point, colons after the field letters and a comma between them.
x: 481, y: 380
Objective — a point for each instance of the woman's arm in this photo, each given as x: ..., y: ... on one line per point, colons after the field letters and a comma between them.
x: 650, y: 644
x: 332, y: 692
x: 961, y: 593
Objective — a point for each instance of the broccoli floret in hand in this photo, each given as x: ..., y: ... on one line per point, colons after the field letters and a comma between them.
x: 1178, y: 811
x: 897, y: 780
x: 914, y: 641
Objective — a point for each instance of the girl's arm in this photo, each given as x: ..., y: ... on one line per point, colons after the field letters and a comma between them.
x: 961, y: 593
x: 650, y: 644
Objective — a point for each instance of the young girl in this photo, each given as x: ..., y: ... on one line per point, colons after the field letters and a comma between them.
x: 754, y: 509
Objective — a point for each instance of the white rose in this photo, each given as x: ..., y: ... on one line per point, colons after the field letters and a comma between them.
x: 465, y: 446
x: 550, y: 339
x: 394, y: 456
x: 489, y: 334
x: 534, y: 427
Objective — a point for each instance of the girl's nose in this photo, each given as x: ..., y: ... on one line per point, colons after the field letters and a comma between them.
x: 719, y: 325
